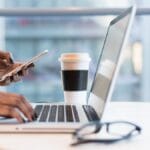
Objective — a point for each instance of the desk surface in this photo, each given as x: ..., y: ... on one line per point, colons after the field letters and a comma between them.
x: 137, y: 112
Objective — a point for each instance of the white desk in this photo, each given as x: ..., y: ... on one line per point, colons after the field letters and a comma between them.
x: 137, y: 112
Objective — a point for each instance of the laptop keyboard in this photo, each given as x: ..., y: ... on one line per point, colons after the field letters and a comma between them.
x: 63, y: 113
x: 57, y: 113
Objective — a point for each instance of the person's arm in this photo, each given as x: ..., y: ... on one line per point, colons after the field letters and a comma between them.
x: 12, y: 104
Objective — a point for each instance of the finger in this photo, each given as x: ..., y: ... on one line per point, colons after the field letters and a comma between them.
x: 9, y: 58
x: 24, y: 72
x: 11, y: 67
x: 17, y: 101
x: 7, y: 81
x: 25, y: 111
x: 28, y: 105
x: 6, y: 56
x: 16, y: 78
x: 8, y: 111
x: 25, y: 108
x: 3, y: 64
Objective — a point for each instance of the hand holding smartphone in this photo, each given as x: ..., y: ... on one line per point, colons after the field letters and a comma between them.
x: 24, y: 65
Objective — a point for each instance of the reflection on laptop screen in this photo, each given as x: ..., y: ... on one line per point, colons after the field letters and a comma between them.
x: 108, y: 61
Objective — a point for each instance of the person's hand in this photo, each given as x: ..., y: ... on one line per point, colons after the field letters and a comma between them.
x: 5, y: 58
x: 12, y: 104
x: 6, y: 65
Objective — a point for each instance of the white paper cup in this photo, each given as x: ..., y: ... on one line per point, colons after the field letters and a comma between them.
x: 74, y: 73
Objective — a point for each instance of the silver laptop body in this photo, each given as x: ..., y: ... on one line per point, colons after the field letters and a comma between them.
x: 58, y: 117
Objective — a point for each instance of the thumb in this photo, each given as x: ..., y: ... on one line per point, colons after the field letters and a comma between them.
x: 3, y: 64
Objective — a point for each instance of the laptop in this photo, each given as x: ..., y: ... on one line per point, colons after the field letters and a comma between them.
x: 58, y: 117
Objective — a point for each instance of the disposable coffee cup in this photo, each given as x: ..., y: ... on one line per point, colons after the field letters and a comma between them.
x: 74, y: 74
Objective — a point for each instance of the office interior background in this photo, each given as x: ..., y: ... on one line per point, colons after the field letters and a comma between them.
x: 26, y: 35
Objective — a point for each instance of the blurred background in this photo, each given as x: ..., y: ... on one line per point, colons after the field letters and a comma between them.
x: 26, y: 35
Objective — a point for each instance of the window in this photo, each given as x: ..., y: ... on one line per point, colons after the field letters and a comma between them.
x: 26, y: 35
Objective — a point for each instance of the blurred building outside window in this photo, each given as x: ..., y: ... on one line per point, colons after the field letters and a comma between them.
x: 25, y: 36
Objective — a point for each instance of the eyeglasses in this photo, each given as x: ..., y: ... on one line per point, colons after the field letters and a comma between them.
x: 106, y: 132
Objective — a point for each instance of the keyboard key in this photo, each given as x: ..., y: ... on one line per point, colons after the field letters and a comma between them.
x: 38, y: 109
x: 90, y: 113
x: 93, y: 113
x: 69, y: 116
x: 87, y: 112
x: 52, y: 116
x: 60, y: 113
x: 76, y: 116
x: 44, y: 114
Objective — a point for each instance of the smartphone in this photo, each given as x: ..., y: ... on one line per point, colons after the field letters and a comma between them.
x: 26, y: 64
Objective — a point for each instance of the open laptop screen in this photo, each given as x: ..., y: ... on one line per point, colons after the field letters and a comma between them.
x: 108, y: 61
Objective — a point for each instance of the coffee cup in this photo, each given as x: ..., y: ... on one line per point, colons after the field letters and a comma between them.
x: 74, y: 74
